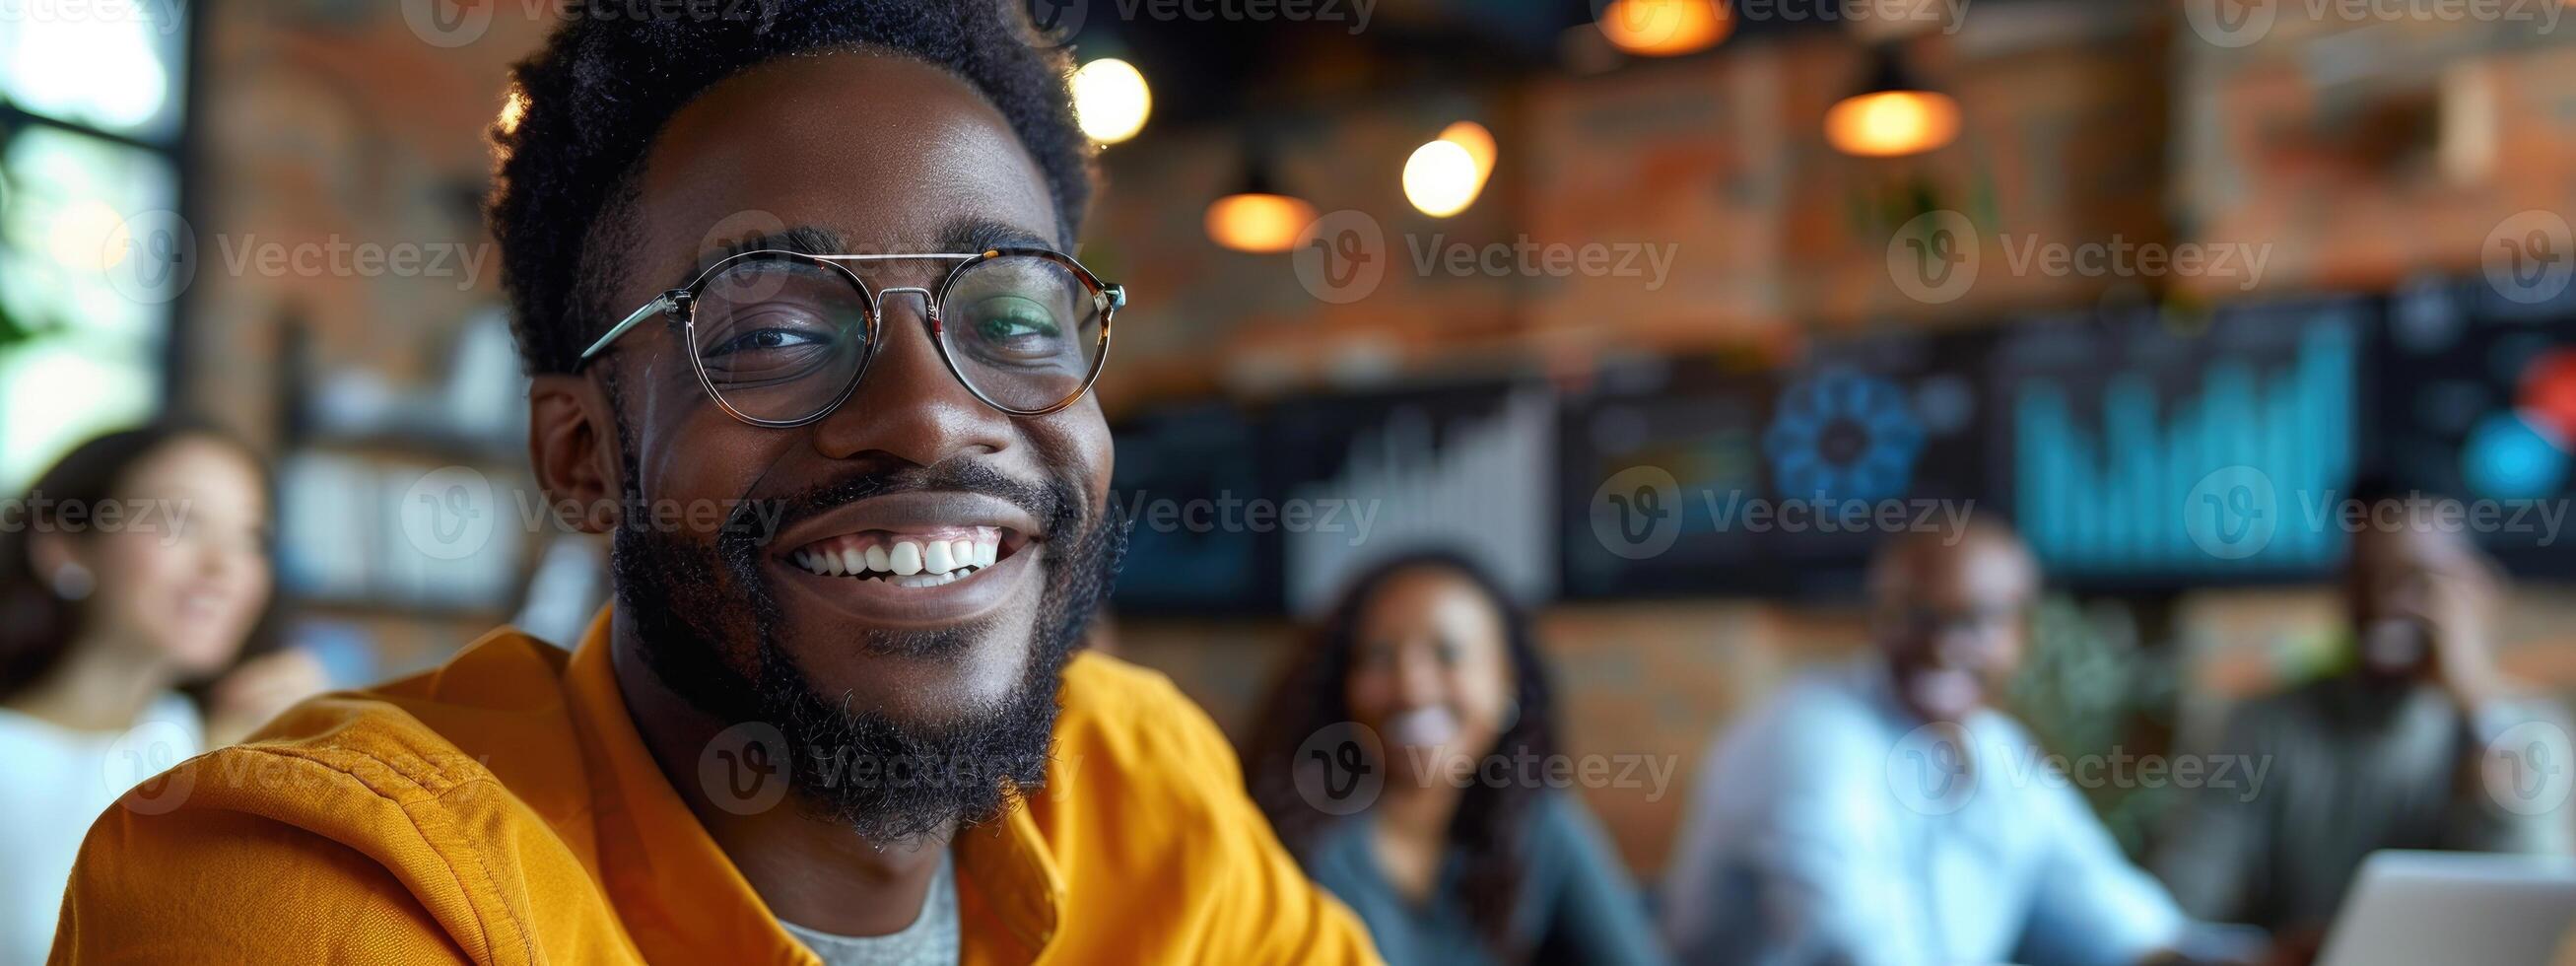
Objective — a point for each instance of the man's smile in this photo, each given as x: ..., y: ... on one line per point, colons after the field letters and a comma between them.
x: 933, y: 558
x: 919, y: 558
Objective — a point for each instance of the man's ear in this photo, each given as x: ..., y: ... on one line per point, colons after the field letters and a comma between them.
x: 572, y: 446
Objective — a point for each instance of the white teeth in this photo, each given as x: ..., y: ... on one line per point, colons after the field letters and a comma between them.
x: 908, y: 563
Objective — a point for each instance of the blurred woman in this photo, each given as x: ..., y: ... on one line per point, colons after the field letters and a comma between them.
x: 135, y: 566
x: 1465, y: 853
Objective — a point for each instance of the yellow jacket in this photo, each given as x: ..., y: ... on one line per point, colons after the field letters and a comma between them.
x: 502, y: 809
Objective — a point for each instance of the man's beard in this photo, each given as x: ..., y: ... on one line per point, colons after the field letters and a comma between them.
x: 709, y: 627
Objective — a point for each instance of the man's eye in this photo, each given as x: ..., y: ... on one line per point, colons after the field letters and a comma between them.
x: 760, y: 340
x: 1014, y: 319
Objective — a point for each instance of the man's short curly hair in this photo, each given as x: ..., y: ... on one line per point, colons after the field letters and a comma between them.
x: 603, y: 86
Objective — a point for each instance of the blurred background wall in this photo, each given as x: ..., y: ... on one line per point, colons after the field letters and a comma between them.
x: 2173, y: 251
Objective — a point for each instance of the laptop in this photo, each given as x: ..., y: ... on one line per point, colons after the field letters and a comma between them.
x: 2459, y: 908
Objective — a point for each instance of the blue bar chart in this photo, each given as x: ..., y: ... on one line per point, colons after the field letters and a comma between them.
x: 2109, y: 464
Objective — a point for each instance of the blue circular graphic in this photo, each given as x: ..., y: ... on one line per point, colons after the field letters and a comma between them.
x: 2508, y: 458
x: 1842, y: 436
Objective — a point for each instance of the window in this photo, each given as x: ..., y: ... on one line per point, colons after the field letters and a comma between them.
x: 93, y: 253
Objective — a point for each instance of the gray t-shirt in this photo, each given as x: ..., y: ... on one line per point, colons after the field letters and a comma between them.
x: 2351, y: 769
x: 931, y: 940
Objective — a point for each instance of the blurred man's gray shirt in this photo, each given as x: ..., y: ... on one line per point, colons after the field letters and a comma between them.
x: 2356, y: 767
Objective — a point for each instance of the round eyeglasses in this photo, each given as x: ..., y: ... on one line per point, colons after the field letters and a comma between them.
x: 781, y: 338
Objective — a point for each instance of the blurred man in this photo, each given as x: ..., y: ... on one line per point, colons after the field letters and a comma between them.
x: 2390, y: 753
x: 857, y: 490
x: 1883, y: 813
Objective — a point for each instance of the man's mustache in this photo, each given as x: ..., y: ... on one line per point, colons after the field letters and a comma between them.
x: 1052, y: 505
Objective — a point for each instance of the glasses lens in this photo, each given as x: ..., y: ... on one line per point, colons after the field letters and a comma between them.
x: 780, y: 338
x: 1024, y: 330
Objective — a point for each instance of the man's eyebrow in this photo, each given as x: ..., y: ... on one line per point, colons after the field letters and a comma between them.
x: 978, y: 234
x: 802, y: 239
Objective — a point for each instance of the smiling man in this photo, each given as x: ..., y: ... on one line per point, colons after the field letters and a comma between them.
x: 790, y: 280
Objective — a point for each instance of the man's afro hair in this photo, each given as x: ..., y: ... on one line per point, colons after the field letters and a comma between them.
x: 603, y: 86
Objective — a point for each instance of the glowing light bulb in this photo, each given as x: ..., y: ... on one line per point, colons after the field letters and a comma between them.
x: 1479, y: 144
x: 1892, y: 123
x: 1441, y: 179
x: 1665, y: 28
x: 1258, y: 222
x: 1111, y: 100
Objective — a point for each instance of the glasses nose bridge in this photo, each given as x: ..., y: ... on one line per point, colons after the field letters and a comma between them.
x: 929, y: 300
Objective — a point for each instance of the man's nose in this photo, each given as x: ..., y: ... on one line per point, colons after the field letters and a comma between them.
x: 909, y: 405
